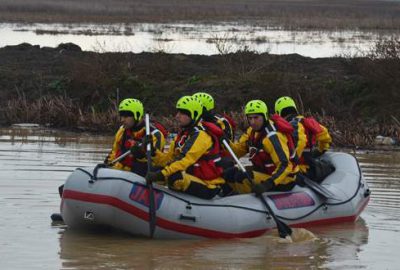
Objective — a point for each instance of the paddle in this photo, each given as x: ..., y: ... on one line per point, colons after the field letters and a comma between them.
x: 119, y: 158
x: 152, y: 209
x: 284, y: 230
x: 104, y: 165
x: 319, y: 189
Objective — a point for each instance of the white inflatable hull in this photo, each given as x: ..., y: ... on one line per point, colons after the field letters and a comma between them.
x: 120, y: 199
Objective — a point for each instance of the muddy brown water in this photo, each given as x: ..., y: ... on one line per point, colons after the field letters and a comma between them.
x: 33, y: 163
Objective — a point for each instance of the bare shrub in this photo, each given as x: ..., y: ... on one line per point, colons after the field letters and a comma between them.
x: 223, y: 43
x: 59, y: 111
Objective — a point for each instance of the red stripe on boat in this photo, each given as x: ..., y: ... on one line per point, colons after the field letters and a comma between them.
x: 173, y: 226
x: 333, y: 220
x: 161, y: 222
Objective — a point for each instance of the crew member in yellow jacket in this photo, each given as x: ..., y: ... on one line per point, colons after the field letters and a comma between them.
x: 223, y: 121
x: 311, y: 139
x: 192, y: 163
x: 270, y: 149
x: 131, y: 137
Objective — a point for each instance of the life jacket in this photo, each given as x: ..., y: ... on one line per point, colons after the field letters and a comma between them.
x: 311, y: 129
x: 129, y: 139
x: 229, y: 130
x: 230, y: 121
x: 261, y: 160
x: 161, y: 128
x: 206, y: 167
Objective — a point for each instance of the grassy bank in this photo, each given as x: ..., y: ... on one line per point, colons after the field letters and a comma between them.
x: 290, y: 14
x: 64, y: 113
x: 357, y: 98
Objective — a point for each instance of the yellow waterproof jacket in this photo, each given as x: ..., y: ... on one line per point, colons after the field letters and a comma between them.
x: 308, y: 133
x: 186, y: 151
x: 268, y: 149
x: 125, y: 139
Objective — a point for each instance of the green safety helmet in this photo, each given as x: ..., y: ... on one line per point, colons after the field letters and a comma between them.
x: 206, y: 100
x: 283, y: 103
x: 134, y: 106
x: 256, y: 107
x: 191, y: 105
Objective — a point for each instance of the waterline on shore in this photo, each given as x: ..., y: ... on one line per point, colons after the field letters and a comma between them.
x: 204, y: 39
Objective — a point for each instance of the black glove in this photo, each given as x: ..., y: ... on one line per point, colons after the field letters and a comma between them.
x: 259, y: 189
x: 137, y: 151
x: 155, y: 176
x: 315, y: 153
x: 240, y: 176
x: 229, y: 174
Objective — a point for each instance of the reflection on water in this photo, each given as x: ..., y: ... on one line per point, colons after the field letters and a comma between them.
x: 337, y: 244
x: 203, y: 39
x: 35, y: 162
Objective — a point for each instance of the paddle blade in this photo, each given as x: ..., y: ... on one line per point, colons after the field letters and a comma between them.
x: 152, y: 211
x: 283, y: 229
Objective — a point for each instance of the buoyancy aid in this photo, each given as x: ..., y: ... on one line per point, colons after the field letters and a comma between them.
x: 131, y: 138
x: 312, y: 128
x: 224, y: 122
x: 261, y: 160
x: 207, y: 167
x: 161, y: 128
x: 230, y: 121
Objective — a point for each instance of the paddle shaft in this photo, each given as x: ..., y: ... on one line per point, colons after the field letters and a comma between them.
x: 119, y: 158
x: 152, y: 209
x: 283, y: 229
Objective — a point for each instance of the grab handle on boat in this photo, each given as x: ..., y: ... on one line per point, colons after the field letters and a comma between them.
x: 191, y: 218
x: 367, y: 192
x: 95, y: 171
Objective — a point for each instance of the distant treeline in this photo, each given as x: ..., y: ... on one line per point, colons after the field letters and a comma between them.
x: 291, y: 14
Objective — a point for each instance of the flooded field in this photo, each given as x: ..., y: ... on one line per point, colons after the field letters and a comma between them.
x: 205, y: 39
x: 34, y: 162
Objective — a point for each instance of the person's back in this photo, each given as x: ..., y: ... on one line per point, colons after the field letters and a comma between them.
x: 311, y: 139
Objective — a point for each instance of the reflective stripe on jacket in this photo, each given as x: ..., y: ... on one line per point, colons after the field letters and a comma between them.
x: 195, y: 151
x: 269, y: 153
x: 308, y: 133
